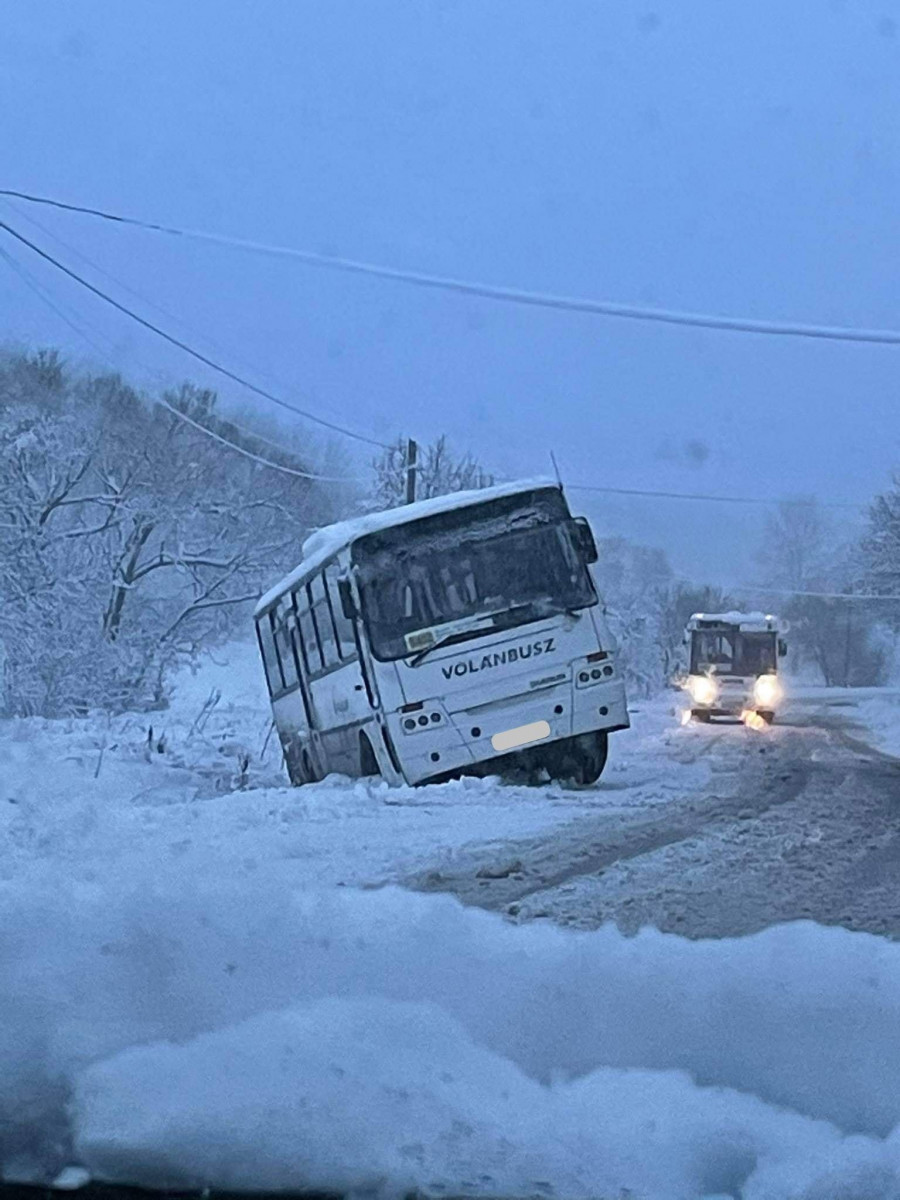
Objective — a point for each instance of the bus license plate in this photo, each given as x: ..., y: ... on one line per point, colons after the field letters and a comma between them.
x: 509, y: 739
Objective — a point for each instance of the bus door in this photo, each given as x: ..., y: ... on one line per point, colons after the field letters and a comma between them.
x: 339, y: 700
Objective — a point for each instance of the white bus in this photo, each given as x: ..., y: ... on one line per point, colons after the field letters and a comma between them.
x: 461, y: 634
x: 733, y: 670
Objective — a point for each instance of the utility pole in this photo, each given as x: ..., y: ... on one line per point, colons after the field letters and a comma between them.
x: 849, y: 604
x: 412, y: 454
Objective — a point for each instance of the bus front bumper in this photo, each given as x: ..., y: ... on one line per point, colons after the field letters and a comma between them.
x: 476, y: 736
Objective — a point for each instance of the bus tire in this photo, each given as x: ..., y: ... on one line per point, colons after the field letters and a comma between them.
x: 307, y: 769
x: 579, y: 761
x: 702, y: 715
x: 368, y: 763
x: 293, y: 761
x: 767, y: 715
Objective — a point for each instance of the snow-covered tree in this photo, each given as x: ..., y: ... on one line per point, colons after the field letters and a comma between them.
x: 879, y: 552
x: 803, y: 550
x: 128, y: 538
x: 634, y: 584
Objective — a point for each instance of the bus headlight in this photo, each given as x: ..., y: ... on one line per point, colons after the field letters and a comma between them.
x: 767, y: 691
x: 703, y: 689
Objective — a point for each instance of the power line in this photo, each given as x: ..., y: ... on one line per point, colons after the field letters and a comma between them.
x: 606, y: 308
x: 147, y: 302
x: 43, y: 295
x: 756, y: 501
x: 247, y: 453
x: 32, y: 284
x: 752, y: 588
x: 703, y: 496
x: 36, y: 288
x: 209, y: 362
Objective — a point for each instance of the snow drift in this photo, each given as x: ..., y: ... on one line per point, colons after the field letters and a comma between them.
x: 198, y: 1032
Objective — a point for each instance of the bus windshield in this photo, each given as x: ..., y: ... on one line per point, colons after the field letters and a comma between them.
x: 429, y: 588
x: 730, y: 652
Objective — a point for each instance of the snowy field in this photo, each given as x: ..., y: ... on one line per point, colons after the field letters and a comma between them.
x: 208, y: 978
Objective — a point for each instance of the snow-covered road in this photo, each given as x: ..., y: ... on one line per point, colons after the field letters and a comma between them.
x: 793, y: 824
x: 707, y: 831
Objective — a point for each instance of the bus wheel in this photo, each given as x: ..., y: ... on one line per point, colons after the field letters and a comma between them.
x: 580, y: 760
x: 702, y: 715
x: 767, y: 715
x: 368, y: 763
x: 293, y: 761
x: 307, y: 770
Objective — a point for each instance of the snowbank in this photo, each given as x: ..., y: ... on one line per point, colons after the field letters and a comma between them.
x: 200, y: 1031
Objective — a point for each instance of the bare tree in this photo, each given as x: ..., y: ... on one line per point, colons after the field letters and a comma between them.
x: 797, y: 549
x: 438, y: 472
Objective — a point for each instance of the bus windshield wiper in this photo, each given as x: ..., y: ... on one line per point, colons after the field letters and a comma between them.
x: 459, y: 635
x: 533, y: 610
x: 505, y: 618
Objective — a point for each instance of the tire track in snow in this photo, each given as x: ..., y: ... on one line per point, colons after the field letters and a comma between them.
x: 808, y: 828
x: 591, y: 844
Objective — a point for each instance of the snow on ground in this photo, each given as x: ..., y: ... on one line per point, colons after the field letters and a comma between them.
x: 88, y: 794
x: 200, y: 1031
x: 187, y: 998
x: 874, y: 713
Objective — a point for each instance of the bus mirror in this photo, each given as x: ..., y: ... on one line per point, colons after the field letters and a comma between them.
x: 782, y: 647
x: 348, y: 608
x: 586, y: 539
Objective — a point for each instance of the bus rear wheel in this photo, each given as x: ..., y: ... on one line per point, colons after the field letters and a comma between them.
x: 368, y: 763
x: 306, y: 772
x: 579, y: 761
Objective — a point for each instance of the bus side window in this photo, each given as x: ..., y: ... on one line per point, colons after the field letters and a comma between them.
x: 343, y: 627
x: 324, y: 623
x: 284, y: 645
x: 307, y: 630
x: 269, y: 654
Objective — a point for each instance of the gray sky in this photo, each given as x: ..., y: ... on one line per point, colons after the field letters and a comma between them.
x: 722, y: 156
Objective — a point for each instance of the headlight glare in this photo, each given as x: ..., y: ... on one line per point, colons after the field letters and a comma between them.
x: 703, y: 689
x: 767, y: 690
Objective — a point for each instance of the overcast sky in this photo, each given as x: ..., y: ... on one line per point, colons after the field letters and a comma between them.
x: 718, y: 155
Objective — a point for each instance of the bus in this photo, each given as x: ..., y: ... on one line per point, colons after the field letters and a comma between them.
x: 457, y: 635
x: 733, y: 667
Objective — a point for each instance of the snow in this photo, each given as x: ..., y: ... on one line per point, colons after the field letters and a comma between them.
x: 208, y: 1032
x: 325, y: 542
x: 188, y: 996
x: 751, y: 620
x: 873, y: 714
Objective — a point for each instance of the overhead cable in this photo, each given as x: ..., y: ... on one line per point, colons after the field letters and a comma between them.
x: 766, y: 502
x: 36, y: 288
x: 534, y: 299
x: 182, y: 345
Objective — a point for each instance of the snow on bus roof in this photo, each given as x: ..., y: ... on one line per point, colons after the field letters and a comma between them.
x: 754, y: 619
x: 328, y: 540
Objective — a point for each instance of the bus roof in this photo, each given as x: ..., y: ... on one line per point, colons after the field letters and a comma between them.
x: 325, y: 542
x: 750, y: 622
